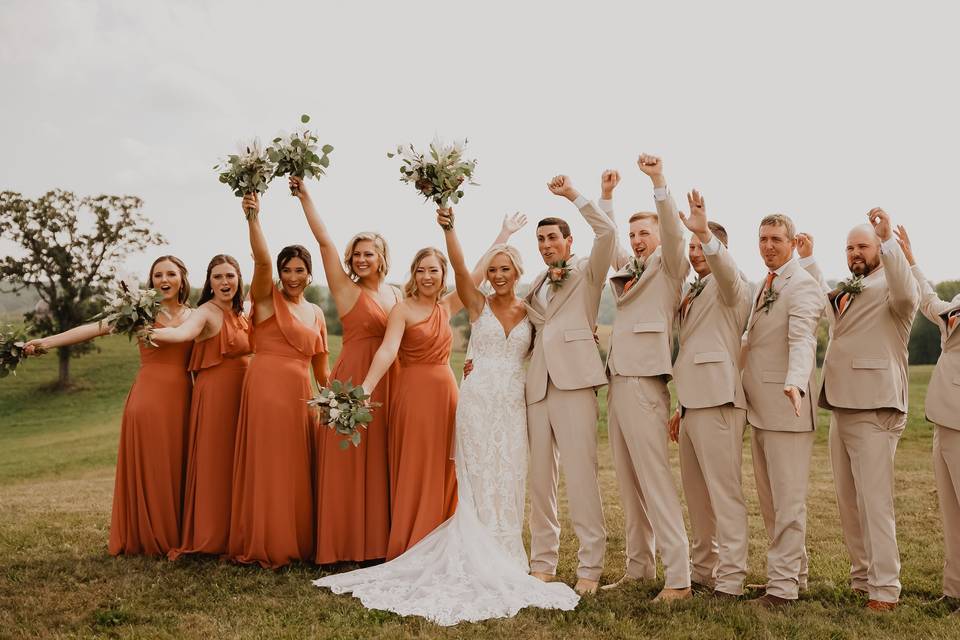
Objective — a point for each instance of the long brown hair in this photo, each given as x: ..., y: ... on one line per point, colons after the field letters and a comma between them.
x: 410, y: 288
x: 207, y: 293
x: 184, y: 293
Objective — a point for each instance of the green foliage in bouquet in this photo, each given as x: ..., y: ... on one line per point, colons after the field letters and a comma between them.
x: 12, y: 343
x: 247, y: 172
x: 131, y: 313
x: 344, y: 408
x: 299, y: 155
x: 439, y: 177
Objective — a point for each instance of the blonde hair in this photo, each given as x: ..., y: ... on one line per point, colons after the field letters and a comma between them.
x: 379, y: 245
x: 410, y: 288
x: 780, y: 220
x: 645, y: 215
x: 512, y: 255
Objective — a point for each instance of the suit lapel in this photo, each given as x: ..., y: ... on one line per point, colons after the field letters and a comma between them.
x: 779, y: 284
x: 625, y: 275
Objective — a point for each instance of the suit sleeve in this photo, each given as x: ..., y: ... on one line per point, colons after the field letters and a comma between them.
x: 730, y: 284
x: 604, y: 242
x: 806, y: 305
x: 674, y: 258
x: 813, y: 269
x: 620, y: 255
x: 931, y: 305
x: 903, y: 288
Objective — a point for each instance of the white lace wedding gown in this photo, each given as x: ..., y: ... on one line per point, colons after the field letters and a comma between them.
x: 473, y: 566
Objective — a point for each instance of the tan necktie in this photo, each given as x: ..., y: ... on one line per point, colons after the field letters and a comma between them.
x: 766, y: 287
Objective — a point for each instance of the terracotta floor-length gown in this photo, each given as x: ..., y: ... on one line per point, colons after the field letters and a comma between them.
x: 148, y: 492
x: 219, y: 364
x: 353, y: 494
x: 423, y: 482
x: 272, y: 522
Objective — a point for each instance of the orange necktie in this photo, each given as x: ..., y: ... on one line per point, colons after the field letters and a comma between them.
x: 630, y: 283
x: 685, y: 305
x: 952, y: 319
x: 766, y: 287
x: 842, y: 302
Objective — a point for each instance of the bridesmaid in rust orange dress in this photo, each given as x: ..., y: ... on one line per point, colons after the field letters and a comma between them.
x: 273, y: 516
x: 353, y: 495
x: 219, y: 363
x: 423, y: 484
x: 148, y: 490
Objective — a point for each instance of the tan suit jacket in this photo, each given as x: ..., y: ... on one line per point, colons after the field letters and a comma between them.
x: 706, y: 372
x: 564, y: 349
x: 640, y: 344
x: 943, y: 393
x: 865, y: 366
x: 780, y: 350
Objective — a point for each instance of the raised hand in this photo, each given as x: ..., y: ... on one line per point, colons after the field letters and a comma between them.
x: 696, y: 222
x: 650, y: 165
x: 562, y: 186
x: 445, y: 218
x: 608, y: 182
x: 904, y: 241
x: 298, y: 188
x: 793, y: 395
x: 881, y: 223
x: 804, y: 245
x: 512, y: 222
x: 251, y: 204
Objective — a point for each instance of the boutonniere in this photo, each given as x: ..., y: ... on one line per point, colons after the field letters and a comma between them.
x: 636, y: 267
x: 557, y: 273
x: 769, y: 297
x: 852, y: 285
x: 696, y: 287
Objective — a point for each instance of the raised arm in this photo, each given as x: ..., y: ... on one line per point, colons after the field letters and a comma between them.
x: 608, y: 182
x: 903, y: 288
x: 188, y: 330
x: 605, y: 232
x: 730, y: 285
x: 261, y: 286
x: 344, y: 290
x: 467, y: 291
x: 387, y: 353
x: 931, y: 306
x: 71, y: 336
x: 674, y: 258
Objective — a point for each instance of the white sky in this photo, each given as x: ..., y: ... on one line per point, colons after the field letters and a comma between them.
x: 817, y: 110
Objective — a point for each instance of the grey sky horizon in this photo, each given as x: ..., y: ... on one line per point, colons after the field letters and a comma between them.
x: 820, y: 111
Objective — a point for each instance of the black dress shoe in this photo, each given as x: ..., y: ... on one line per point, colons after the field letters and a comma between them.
x: 769, y: 601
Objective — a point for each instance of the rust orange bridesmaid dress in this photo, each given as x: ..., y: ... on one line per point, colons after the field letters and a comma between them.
x: 273, y: 515
x: 353, y: 494
x: 219, y: 364
x: 423, y: 483
x: 148, y: 491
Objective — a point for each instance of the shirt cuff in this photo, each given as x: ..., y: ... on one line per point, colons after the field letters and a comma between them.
x: 660, y: 193
x: 580, y: 202
x: 605, y: 205
x: 806, y: 262
x: 890, y: 245
x: 711, y: 248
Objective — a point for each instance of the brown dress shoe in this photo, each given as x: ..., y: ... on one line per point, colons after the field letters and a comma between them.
x: 723, y: 595
x: 671, y: 595
x: 879, y: 605
x: 770, y: 601
x: 543, y: 577
x: 586, y: 587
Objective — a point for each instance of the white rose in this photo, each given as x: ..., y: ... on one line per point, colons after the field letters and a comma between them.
x: 333, y: 403
x: 334, y: 414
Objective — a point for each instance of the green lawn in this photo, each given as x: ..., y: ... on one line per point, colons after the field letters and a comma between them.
x: 56, y: 579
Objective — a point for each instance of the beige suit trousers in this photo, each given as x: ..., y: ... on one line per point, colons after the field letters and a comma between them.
x: 711, y: 458
x: 781, y: 464
x: 862, y: 447
x: 946, y: 467
x: 565, y: 423
x: 638, y: 409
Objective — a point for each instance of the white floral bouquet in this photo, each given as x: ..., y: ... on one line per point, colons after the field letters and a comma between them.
x: 440, y: 176
x: 299, y: 155
x: 246, y: 172
x: 131, y: 312
x: 12, y: 344
x: 344, y: 408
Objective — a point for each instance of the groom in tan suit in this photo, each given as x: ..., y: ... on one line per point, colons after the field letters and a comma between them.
x: 647, y: 287
x: 779, y: 384
x: 943, y: 409
x: 865, y: 385
x: 711, y: 412
x: 564, y: 372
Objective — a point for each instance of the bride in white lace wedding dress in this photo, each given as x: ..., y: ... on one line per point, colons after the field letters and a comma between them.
x: 473, y: 566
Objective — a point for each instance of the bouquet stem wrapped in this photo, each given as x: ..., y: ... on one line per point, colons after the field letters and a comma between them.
x: 299, y: 155
x: 344, y: 408
x: 249, y: 171
x: 12, y: 343
x: 440, y: 176
x: 132, y: 313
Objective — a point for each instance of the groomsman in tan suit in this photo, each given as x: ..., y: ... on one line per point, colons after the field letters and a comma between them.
x: 711, y: 413
x: 943, y: 409
x: 778, y: 381
x: 646, y: 287
x: 564, y: 372
x: 865, y: 385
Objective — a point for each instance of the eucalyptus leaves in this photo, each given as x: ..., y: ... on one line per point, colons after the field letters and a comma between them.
x: 344, y: 408
x: 12, y: 343
x: 439, y: 174
x: 852, y: 285
x: 249, y: 171
x: 299, y: 155
x: 131, y: 313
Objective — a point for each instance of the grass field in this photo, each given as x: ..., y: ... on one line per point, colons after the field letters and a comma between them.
x: 56, y: 579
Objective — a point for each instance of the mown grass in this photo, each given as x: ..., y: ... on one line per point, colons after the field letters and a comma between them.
x: 56, y: 579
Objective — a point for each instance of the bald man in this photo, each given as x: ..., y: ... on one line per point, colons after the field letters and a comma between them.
x: 865, y: 386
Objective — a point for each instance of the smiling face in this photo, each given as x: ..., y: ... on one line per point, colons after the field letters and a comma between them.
x: 695, y: 255
x: 553, y: 246
x: 776, y: 247
x: 502, y: 274
x: 863, y: 250
x: 644, y: 236
x: 166, y: 279
x: 365, y: 260
x: 224, y: 282
x: 294, y: 277
x: 428, y: 276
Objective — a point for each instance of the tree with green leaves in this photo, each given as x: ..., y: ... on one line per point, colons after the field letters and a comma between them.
x: 70, y: 248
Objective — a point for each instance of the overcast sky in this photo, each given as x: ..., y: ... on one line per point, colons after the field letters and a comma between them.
x: 817, y: 110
